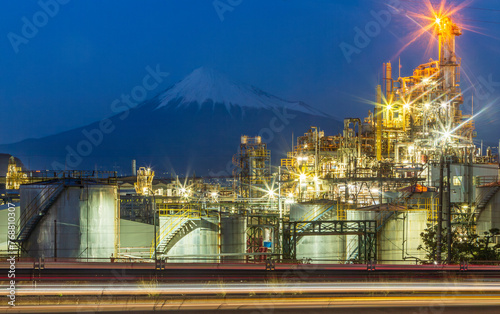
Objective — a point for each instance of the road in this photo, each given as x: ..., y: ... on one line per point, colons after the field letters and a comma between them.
x: 260, y: 297
x: 69, y: 287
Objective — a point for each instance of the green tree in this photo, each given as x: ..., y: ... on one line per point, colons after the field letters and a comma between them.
x: 465, y: 245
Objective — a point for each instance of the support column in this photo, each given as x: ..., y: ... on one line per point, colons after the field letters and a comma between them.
x: 448, y: 217
x: 440, y: 211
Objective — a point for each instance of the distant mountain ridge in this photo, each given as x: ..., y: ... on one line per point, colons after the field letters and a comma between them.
x: 195, y: 125
x: 206, y: 85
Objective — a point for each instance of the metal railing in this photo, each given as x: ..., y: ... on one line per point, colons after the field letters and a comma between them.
x: 109, y: 177
x: 313, y: 216
x: 484, y: 194
x: 352, y: 249
x: 37, y: 205
x: 178, y: 209
x: 169, y: 229
x: 482, y: 180
x: 287, y: 162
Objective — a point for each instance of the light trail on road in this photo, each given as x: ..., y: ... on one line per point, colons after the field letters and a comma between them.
x: 271, y: 305
x: 142, y: 296
x: 218, y: 288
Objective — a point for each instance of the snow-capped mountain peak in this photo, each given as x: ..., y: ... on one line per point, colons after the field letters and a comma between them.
x: 205, y: 85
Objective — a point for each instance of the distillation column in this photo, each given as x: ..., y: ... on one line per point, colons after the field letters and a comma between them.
x: 449, y: 68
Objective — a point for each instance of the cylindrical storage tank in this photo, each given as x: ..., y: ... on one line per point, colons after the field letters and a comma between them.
x: 233, y: 238
x: 194, y: 242
x: 352, y: 241
x: 9, y: 215
x: 318, y: 248
x: 81, y: 219
x: 399, y: 238
x: 489, y: 216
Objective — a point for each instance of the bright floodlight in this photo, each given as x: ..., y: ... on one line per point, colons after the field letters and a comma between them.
x: 446, y: 135
x: 302, y: 176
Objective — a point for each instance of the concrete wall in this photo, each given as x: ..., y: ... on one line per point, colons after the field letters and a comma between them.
x: 135, y: 234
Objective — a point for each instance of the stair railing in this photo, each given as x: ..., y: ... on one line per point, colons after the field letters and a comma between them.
x: 312, y: 216
x: 33, y: 207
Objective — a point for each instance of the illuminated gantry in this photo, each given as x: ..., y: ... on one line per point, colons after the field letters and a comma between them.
x: 253, y: 167
x: 15, y: 177
x: 144, y: 184
x: 419, y: 115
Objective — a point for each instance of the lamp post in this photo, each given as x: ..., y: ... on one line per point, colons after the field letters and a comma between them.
x: 316, y: 161
x: 154, y: 220
x: 280, y: 208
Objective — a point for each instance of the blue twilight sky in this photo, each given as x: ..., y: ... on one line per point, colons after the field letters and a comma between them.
x: 90, y: 52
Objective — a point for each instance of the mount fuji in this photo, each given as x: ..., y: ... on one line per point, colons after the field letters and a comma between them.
x: 195, y: 125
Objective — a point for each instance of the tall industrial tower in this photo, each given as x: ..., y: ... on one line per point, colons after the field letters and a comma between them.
x: 420, y: 115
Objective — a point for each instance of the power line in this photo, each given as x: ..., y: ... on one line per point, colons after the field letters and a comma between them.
x: 482, y: 9
x: 465, y: 7
x: 480, y: 21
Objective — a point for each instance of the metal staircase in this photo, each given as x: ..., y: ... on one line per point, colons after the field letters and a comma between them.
x: 168, y: 231
x: 354, y: 253
x: 484, y: 197
x: 181, y: 233
x: 37, y: 209
x: 382, y: 218
x: 384, y: 215
x: 313, y: 216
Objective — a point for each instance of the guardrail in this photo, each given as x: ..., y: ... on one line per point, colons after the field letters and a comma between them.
x: 33, y: 176
x: 482, y: 180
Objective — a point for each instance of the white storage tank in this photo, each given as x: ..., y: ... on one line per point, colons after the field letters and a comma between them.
x: 184, y: 239
x: 352, y: 241
x: 80, y: 221
x: 233, y: 237
x: 188, y: 240
x: 399, y: 238
x: 318, y: 248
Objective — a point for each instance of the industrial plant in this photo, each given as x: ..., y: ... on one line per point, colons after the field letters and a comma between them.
x: 363, y: 196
